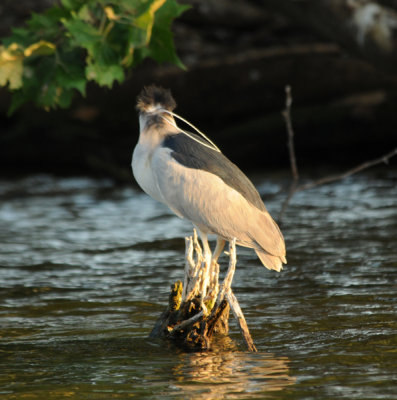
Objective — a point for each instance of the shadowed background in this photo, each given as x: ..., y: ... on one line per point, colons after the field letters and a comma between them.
x: 239, y: 57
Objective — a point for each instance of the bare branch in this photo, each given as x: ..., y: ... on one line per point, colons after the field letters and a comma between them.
x: 328, y: 179
x: 291, y: 149
x: 295, y: 187
x: 242, y: 323
x: 187, y: 322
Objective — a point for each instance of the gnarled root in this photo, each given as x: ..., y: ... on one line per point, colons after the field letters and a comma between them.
x: 188, y: 325
x: 191, y: 320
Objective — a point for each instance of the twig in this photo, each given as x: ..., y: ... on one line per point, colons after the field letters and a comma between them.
x: 291, y: 149
x: 187, y: 322
x: 242, y: 323
x: 268, y: 53
x: 226, y: 292
x: 295, y: 187
x: 328, y: 179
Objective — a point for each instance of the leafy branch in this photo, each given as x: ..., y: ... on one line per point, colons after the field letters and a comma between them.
x: 57, y: 52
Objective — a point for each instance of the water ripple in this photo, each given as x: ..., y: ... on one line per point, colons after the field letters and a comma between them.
x: 85, y: 269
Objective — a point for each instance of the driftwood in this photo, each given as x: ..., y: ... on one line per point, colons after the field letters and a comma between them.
x: 199, y: 307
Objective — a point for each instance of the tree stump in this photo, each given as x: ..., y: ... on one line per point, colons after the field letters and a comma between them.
x: 199, y: 307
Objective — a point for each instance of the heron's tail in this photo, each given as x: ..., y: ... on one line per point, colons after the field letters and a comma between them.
x: 271, y: 262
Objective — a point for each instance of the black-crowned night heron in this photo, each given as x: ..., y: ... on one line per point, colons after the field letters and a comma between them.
x: 196, y: 181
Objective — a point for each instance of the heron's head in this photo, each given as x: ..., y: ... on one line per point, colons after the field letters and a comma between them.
x: 153, y: 99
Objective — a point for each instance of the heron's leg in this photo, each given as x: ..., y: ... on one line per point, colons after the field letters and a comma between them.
x: 206, y: 246
x: 232, y: 264
x: 220, y: 244
x: 214, y: 272
x: 205, y: 278
x: 227, y: 282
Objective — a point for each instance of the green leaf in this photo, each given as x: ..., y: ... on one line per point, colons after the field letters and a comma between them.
x: 59, y: 50
x: 161, y: 46
x: 145, y: 21
x: 28, y: 92
x: 40, y: 21
x: 104, y: 53
x: 41, y: 48
x: 65, y: 98
x: 85, y: 14
x: 128, y: 59
x: 48, y: 95
x: 72, y: 4
x: 44, y: 26
x: 19, y: 98
x: 22, y: 36
x: 105, y: 75
x: 71, y: 77
x: 83, y: 34
x: 11, y: 66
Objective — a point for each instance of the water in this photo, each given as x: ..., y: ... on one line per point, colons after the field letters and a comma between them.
x: 85, y: 270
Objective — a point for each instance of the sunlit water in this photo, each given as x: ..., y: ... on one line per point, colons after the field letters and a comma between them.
x: 85, y: 270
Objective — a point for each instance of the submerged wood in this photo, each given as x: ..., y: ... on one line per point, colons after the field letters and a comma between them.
x: 198, y: 308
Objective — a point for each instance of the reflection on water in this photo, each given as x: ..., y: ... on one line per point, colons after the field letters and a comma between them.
x: 120, y: 368
x: 224, y: 374
x: 85, y: 269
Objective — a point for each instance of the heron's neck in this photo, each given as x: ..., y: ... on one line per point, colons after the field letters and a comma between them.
x: 154, y: 128
x: 160, y: 122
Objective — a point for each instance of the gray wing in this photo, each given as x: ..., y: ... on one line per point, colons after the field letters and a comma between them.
x: 192, y: 154
x: 204, y: 187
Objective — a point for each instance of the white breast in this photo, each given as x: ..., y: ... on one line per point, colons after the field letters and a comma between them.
x: 142, y: 168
